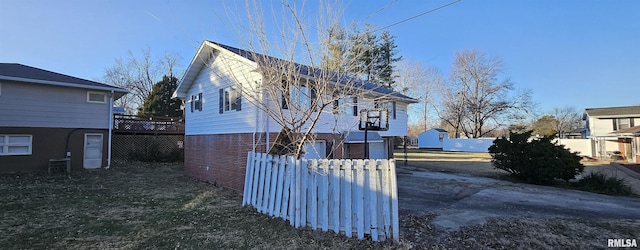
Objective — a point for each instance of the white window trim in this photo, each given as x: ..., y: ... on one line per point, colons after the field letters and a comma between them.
x: 4, y: 143
x: 230, y: 101
x: 99, y: 93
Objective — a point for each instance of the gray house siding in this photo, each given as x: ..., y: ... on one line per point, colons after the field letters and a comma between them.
x: 48, y: 106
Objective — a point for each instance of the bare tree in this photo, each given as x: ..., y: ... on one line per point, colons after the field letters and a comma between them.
x: 475, y: 101
x: 412, y: 79
x: 293, y: 89
x: 138, y: 74
x: 566, y: 119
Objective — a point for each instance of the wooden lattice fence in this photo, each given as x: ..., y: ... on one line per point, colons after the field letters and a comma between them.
x: 154, y: 148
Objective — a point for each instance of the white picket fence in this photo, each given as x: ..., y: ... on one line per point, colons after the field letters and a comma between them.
x: 345, y: 196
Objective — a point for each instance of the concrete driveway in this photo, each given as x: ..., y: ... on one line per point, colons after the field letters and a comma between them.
x: 461, y: 200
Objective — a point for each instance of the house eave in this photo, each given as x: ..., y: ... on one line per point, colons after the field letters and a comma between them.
x: 66, y: 84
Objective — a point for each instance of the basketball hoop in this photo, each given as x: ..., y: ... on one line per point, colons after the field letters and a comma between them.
x: 374, y: 119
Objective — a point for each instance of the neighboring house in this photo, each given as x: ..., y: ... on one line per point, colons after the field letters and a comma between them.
x: 432, y: 138
x: 632, y: 136
x: 222, y: 126
x: 46, y: 115
x: 603, y: 124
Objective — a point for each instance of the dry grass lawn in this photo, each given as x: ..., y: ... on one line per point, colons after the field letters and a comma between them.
x: 155, y: 206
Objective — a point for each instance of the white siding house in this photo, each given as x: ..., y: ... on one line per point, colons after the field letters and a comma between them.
x: 219, y: 132
x: 603, y: 125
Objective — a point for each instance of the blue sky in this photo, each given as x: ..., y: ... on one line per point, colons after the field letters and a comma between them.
x: 569, y: 53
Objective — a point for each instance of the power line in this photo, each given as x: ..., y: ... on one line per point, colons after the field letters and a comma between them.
x: 374, y: 13
x: 419, y: 15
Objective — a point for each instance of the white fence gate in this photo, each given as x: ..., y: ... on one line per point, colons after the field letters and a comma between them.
x: 345, y: 196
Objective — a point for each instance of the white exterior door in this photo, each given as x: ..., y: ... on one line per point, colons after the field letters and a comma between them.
x: 92, y: 151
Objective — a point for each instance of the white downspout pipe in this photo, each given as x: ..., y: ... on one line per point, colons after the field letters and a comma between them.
x: 110, y: 130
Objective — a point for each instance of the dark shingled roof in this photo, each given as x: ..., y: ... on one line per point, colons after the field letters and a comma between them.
x: 614, y: 111
x: 311, y: 72
x: 16, y: 70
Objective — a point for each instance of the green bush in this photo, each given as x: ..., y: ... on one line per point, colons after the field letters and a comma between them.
x: 538, y: 161
x: 600, y: 183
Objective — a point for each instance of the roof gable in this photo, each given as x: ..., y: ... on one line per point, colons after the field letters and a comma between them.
x: 203, y: 54
x: 24, y: 73
x: 626, y: 111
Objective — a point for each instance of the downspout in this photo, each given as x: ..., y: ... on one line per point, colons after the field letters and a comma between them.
x: 110, y: 130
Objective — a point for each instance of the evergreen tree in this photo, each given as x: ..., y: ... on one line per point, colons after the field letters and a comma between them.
x: 364, y: 52
x: 159, y: 101
x: 335, y: 57
x: 386, y: 58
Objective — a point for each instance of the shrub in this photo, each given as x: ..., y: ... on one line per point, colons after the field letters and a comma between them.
x: 538, y: 161
x: 600, y: 183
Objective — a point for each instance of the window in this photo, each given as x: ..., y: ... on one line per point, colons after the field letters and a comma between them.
x: 390, y: 106
x: 96, y: 97
x: 622, y: 123
x: 298, y: 96
x: 230, y: 99
x: 196, y: 102
x: 345, y: 104
x: 15, y: 144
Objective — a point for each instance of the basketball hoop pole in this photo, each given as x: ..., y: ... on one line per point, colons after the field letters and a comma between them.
x: 366, y: 143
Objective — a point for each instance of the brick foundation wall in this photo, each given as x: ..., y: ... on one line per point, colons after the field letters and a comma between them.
x: 221, y: 159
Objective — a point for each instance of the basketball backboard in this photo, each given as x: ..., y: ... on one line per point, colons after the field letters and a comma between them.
x: 374, y: 119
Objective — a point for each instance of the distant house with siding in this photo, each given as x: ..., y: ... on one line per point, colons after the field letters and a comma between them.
x: 47, y: 115
x: 221, y: 127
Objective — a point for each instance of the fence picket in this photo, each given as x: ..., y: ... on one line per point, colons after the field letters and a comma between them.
x: 267, y: 184
x: 323, y: 193
x: 386, y: 205
x: 340, y: 195
x: 313, y: 194
x: 304, y: 172
x: 358, y: 199
x: 246, y: 197
x: 292, y: 196
x: 261, y: 180
x: 256, y: 178
x: 393, y: 189
x: 286, y: 190
x: 345, y: 205
x: 298, y: 192
x: 334, y: 195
